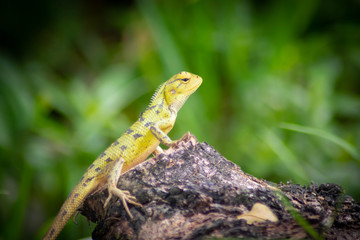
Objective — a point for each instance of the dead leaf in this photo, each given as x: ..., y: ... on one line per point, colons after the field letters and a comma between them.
x: 259, y: 213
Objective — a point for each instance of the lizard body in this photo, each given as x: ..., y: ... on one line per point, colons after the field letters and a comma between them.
x: 132, y: 148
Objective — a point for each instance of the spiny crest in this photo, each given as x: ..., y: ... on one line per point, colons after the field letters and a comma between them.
x: 157, y: 93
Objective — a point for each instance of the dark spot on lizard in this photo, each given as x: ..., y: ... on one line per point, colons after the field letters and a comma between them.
x: 52, y: 232
x: 84, y: 184
x: 157, y: 111
x: 82, y: 178
x: 91, y: 166
x: 63, y: 213
x: 129, y: 131
x: 89, y: 179
x: 141, y: 117
x: 97, y: 169
x: 153, y: 106
x: 74, y: 198
x: 123, y: 147
x: 136, y: 136
x: 108, y: 160
x: 148, y: 124
x: 102, y: 155
x: 115, y: 143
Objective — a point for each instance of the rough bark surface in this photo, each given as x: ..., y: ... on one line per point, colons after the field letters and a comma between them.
x: 192, y: 192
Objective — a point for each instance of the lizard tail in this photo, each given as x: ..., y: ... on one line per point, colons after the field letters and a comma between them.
x: 72, y: 203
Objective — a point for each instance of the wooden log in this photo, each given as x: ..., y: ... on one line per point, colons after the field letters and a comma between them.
x: 192, y: 192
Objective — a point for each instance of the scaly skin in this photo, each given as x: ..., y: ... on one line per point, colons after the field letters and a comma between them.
x: 132, y: 148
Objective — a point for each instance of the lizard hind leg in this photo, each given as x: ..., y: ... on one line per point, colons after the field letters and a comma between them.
x: 125, y: 196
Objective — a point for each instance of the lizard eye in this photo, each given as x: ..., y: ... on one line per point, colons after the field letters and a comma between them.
x: 185, y: 79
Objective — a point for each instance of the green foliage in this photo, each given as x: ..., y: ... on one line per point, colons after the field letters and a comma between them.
x: 280, y: 95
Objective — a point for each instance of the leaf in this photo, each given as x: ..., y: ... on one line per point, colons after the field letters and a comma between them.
x: 259, y: 213
x: 321, y: 133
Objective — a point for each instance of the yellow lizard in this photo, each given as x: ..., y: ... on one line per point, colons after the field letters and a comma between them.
x: 132, y: 148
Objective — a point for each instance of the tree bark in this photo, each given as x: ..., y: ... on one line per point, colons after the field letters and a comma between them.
x: 192, y: 192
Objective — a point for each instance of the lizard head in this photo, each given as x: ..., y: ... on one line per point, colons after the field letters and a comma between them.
x: 179, y: 87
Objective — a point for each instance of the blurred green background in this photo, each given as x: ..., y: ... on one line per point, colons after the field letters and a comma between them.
x: 280, y: 95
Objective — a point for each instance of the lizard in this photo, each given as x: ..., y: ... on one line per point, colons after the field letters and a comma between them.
x: 130, y: 149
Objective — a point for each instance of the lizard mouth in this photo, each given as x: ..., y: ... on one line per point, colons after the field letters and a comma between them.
x: 197, y: 85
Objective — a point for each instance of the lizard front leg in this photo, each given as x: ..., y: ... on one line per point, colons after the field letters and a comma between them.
x: 112, y: 180
x: 161, y: 136
x: 164, y: 125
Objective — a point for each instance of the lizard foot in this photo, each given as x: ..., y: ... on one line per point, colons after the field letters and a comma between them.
x: 173, y: 144
x: 125, y: 197
x: 75, y: 216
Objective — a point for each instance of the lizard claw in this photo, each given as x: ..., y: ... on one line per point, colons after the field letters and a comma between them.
x: 125, y: 197
x: 75, y: 216
x: 173, y: 144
